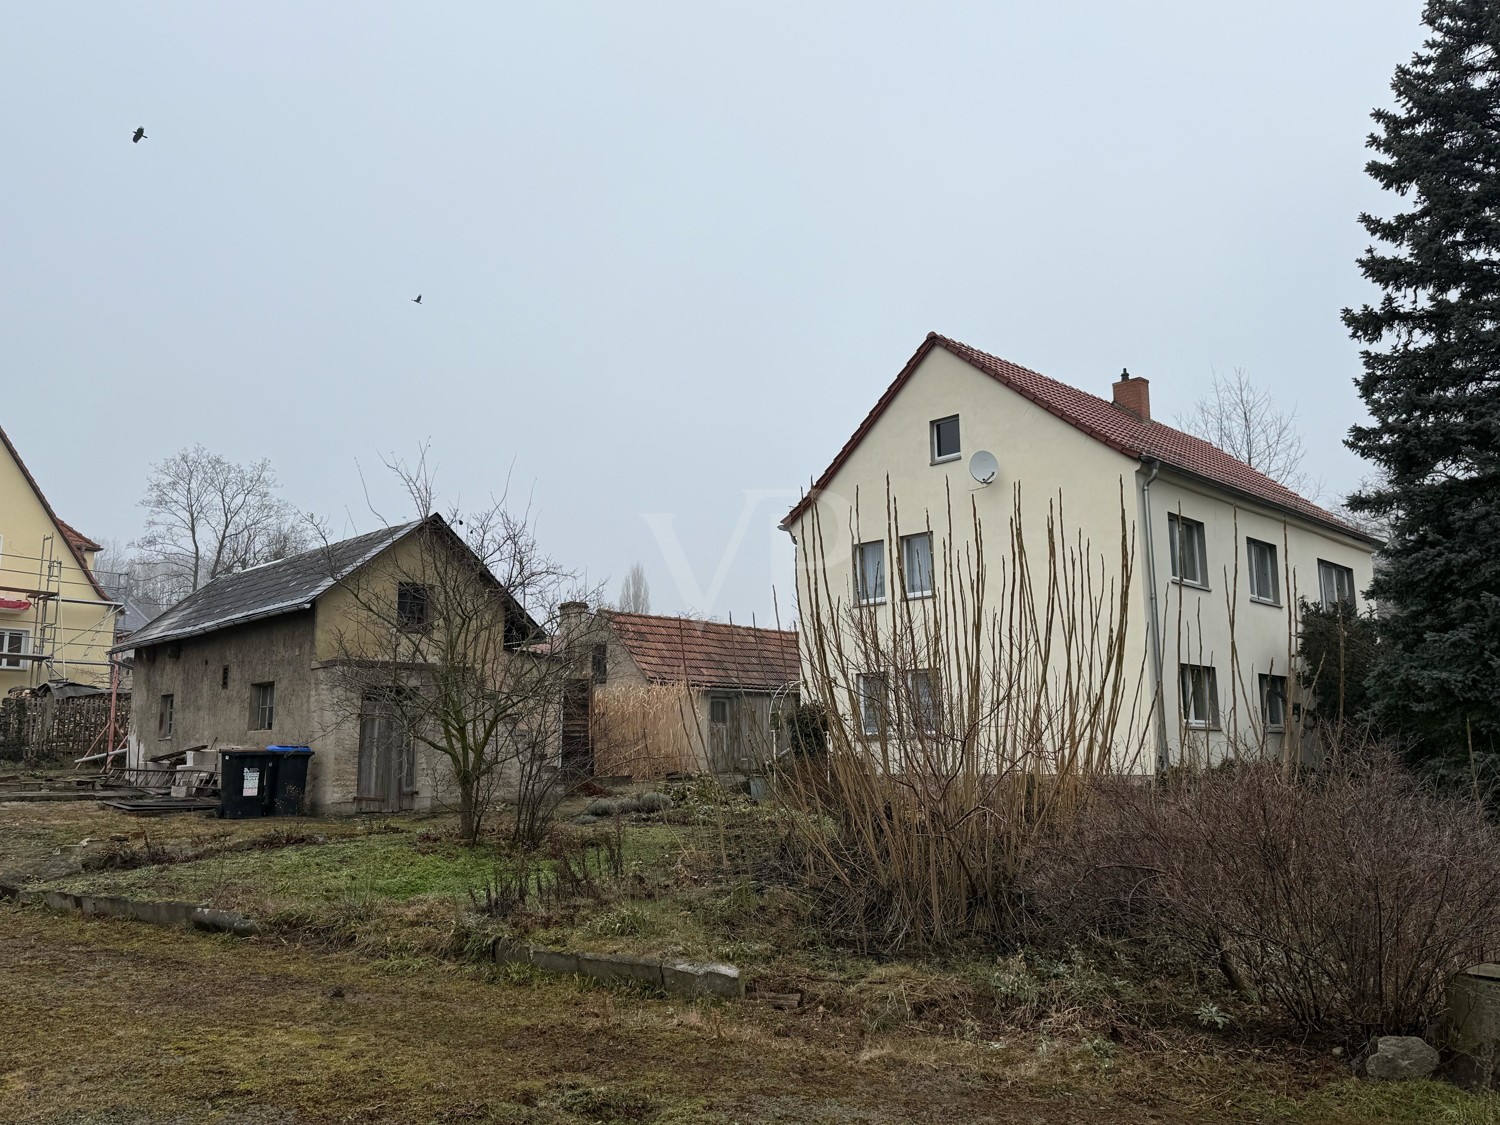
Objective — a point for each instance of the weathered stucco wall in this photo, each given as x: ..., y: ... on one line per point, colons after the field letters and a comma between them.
x: 210, y: 678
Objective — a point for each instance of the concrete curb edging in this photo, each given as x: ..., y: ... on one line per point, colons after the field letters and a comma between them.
x: 682, y: 978
x: 155, y: 913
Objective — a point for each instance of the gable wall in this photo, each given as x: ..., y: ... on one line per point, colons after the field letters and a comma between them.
x: 85, y: 630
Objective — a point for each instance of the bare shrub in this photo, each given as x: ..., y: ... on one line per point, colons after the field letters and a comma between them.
x: 960, y: 728
x: 645, y: 730
x: 1343, y: 899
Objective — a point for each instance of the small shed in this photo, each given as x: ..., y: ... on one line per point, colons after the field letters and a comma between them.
x: 658, y: 694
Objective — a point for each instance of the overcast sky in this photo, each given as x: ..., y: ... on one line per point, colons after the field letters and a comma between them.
x: 670, y: 254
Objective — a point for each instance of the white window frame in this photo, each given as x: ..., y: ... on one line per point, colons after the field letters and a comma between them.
x: 11, y: 658
x: 910, y: 573
x: 932, y: 427
x: 922, y: 714
x: 1267, y: 681
x: 862, y: 591
x: 1337, y: 570
x: 874, y: 705
x: 1251, y: 544
x: 1181, y: 531
x: 1190, y: 676
x: 166, y: 715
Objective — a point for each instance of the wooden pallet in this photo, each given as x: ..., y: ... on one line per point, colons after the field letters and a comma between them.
x: 162, y: 806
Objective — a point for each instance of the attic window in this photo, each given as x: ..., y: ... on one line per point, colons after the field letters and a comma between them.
x: 945, y: 443
x: 411, y: 605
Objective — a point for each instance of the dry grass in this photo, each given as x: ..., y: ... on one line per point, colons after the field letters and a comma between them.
x: 113, y: 1023
x: 645, y: 731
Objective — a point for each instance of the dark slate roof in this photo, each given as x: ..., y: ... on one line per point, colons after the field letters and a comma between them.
x: 708, y: 653
x: 268, y: 590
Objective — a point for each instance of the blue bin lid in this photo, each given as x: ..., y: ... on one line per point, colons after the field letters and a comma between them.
x: 289, y: 749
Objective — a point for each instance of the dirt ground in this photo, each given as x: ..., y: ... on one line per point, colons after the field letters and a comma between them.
x: 106, y: 1022
x: 114, y: 1023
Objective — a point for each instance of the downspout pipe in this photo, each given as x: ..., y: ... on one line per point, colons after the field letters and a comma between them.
x: 1153, y: 622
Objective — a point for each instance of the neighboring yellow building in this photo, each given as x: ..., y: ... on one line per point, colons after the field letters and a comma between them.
x: 56, y: 621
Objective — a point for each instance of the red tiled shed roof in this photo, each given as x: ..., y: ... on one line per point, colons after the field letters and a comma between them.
x: 1102, y: 420
x: 708, y: 653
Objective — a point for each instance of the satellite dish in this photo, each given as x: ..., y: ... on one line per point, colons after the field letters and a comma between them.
x: 983, y: 466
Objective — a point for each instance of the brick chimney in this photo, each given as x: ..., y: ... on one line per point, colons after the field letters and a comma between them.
x: 1134, y: 395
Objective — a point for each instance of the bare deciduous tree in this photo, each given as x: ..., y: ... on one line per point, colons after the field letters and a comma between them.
x: 447, y: 633
x: 209, y: 516
x: 1244, y: 421
x: 635, y: 594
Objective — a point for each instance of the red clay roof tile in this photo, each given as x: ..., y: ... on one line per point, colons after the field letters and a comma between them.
x: 1102, y: 420
x: 708, y: 653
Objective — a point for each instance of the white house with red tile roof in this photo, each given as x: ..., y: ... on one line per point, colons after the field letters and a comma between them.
x: 1217, y: 554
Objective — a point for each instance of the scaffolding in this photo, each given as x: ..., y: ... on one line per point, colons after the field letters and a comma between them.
x: 46, y: 658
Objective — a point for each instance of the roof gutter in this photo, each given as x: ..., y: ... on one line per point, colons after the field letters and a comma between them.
x: 1153, y: 621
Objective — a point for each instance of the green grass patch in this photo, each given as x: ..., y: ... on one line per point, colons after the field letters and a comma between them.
x: 1426, y: 1102
x: 390, y: 866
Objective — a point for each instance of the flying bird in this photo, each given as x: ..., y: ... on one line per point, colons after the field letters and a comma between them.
x: 140, y: 135
x: 417, y: 300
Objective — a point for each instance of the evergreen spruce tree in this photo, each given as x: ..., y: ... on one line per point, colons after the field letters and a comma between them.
x: 1432, y: 384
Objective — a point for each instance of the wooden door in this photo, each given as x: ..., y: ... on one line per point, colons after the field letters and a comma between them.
x: 721, y: 749
x: 387, y: 763
x: 577, y: 734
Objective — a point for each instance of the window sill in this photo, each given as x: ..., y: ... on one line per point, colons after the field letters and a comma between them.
x: 875, y: 602
x: 948, y: 459
x: 918, y: 596
x: 1191, y: 585
x: 1265, y: 601
x: 1194, y: 724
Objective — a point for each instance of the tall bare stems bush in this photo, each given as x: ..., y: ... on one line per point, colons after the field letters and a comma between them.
x: 645, y: 730
x: 1343, y: 899
x: 963, y: 726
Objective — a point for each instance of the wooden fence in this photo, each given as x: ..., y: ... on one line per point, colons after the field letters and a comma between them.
x: 33, y: 728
